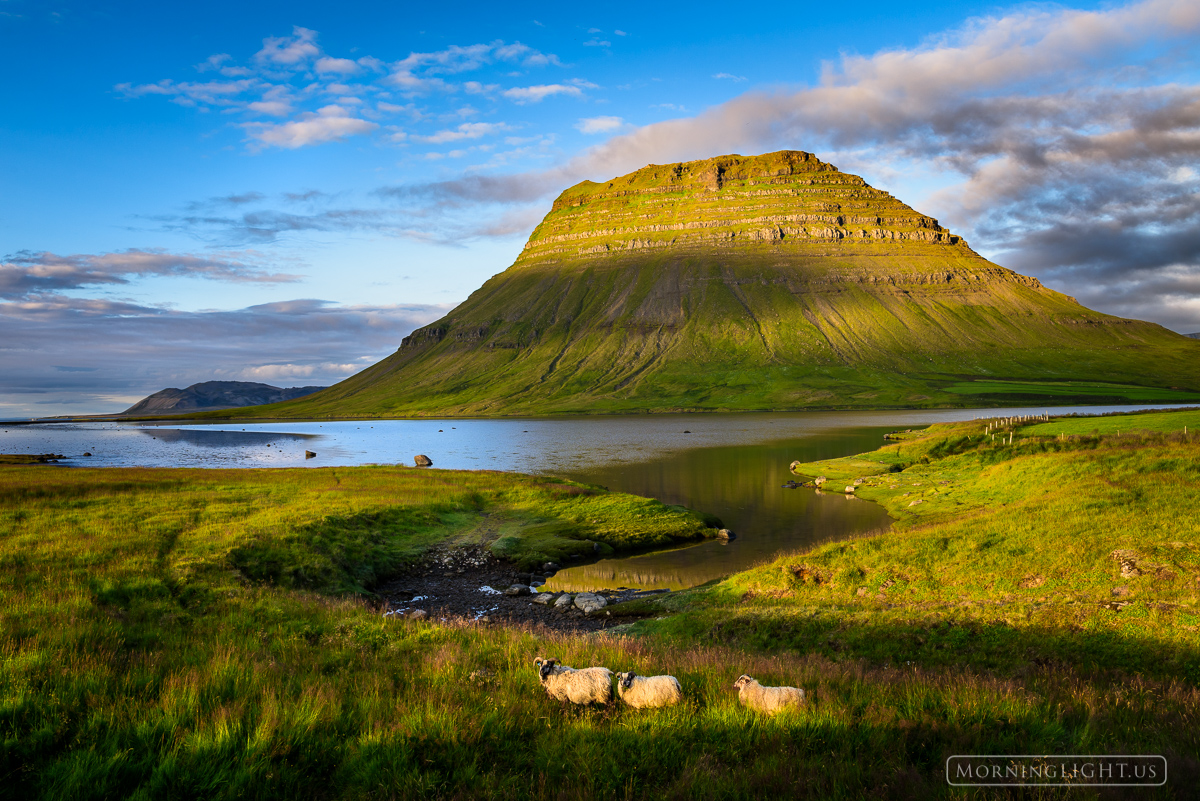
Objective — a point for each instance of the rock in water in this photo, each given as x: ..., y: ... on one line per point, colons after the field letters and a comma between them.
x: 422, y: 460
x: 679, y: 285
x: 310, y: 455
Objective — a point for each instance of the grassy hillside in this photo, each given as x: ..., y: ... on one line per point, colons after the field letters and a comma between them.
x: 750, y: 334
x: 773, y: 282
x: 1065, y: 545
x: 143, y: 659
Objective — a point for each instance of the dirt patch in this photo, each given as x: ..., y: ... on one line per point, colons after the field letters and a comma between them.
x: 470, y: 583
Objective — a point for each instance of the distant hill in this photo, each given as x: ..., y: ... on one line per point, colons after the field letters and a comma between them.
x: 214, y: 395
x: 767, y: 282
x: 1193, y: 336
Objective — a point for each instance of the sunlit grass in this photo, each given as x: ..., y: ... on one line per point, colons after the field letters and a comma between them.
x: 141, y: 655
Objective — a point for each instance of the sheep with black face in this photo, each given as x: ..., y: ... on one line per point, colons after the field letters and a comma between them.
x: 587, y: 686
x: 767, y: 699
x: 648, y: 691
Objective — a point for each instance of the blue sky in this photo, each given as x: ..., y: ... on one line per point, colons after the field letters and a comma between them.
x: 282, y: 191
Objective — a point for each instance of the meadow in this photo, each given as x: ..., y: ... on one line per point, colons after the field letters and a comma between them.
x: 172, y: 633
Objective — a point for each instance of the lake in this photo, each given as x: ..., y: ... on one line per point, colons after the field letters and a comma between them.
x: 730, y: 465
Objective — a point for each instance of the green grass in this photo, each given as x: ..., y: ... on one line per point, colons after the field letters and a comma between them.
x: 1161, y: 422
x: 24, y: 458
x: 1002, y: 556
x: 201, y: 634
x: 1070, y: 389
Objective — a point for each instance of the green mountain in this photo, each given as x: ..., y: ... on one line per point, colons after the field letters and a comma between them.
x: 764, y: 282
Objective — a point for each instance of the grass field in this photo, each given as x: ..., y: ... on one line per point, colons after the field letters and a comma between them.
x: 148, y: 651
x: 1071, y: 389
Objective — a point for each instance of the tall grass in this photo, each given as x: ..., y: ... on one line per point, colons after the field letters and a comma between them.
x: 138, y: 660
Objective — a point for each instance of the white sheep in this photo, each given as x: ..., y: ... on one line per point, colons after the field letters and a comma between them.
x: 646, y: 691
x: 767, y: 699
x: 587, y: 686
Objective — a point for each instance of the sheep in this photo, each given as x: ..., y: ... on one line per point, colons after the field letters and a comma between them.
x: 767, y: 699
x: 646, y: 691
x: 588, y: 686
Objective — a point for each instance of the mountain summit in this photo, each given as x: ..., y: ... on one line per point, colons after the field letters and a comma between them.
x: 763, y: 282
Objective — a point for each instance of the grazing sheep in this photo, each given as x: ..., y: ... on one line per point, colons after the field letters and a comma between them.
x: 646, y: 691
x: 588, y: 686
x: 767, y: 699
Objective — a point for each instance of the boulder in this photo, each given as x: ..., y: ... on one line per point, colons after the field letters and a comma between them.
x: 819, y: 480
x: 550, y: 568
x: 418, y: 614
x: 517, y: 589
x: 422, y: 460
x: 794, y: 465
x: 850, y: 489
x: 858, y: 481
x: 309, y: 455
x: 563, y: 601
x: 726, y: 534
x: 543, y: 598
x: 589, y: 602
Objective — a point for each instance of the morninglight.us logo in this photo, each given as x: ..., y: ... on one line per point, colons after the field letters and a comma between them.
x: 1041, y: 770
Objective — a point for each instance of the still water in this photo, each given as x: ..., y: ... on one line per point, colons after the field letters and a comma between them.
x: 730, y: 465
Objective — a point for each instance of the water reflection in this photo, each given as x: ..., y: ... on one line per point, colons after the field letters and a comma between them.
x: 743, y: 486
x: 206, y: 438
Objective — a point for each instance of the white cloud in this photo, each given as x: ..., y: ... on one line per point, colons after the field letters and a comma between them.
x: 592, y: 125
x: 289, y: 51
x: 468, y: 130
x: 536, y: 94
x: 213, y: 62
x: 217, y: 93
x: 270, y: 372
x: 339, y: 66
x: 728, y: 76
x: 477, y: 88
x: 327, y: 124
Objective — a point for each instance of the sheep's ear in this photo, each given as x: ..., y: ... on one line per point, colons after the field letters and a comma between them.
x: 537, y: 662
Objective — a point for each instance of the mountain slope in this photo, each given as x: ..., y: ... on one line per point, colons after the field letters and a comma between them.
x: 768, y: 282
x: 210, y: 395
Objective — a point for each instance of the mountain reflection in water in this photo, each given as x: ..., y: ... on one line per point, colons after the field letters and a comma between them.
x: 205, y: 438
x: 743, y: 486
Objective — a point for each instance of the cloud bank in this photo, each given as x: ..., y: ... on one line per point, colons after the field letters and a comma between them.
x: 67, y: 355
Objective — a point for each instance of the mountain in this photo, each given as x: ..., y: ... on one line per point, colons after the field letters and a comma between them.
x: 764, y: 282
x: 1193, y: 336
x: 213, y: 395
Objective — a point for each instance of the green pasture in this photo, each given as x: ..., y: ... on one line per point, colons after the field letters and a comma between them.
x: 204, y: 634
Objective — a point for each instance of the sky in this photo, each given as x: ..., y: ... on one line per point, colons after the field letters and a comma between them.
x: 280, y: 192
